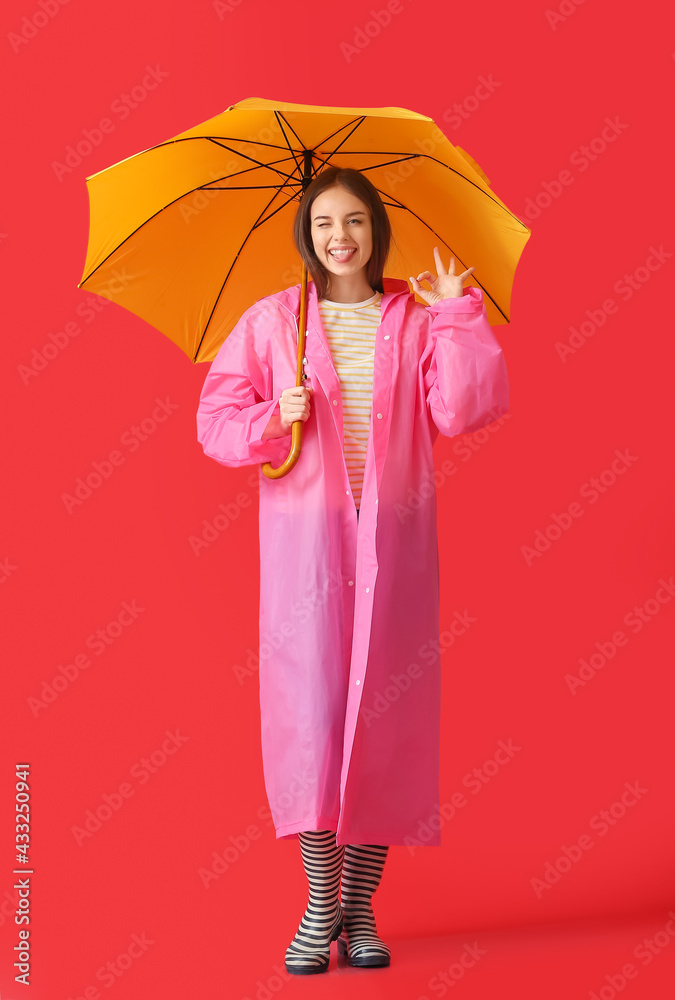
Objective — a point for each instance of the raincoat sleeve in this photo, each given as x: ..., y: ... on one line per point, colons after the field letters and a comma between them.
x: 463, y: 366
x: 236, y: 401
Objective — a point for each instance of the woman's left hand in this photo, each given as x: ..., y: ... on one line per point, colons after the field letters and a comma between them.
x: 447, y: 285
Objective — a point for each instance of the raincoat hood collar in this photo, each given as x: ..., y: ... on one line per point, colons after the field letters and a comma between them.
x: 290, y: 297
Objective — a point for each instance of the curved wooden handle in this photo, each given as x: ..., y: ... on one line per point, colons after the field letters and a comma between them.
x: 296, y: 426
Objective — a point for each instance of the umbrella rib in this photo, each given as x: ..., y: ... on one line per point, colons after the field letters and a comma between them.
x: 248, y: 170
x: 260, y: 221
x: 245, y: 187
x: 325, y: 159
x: 279, y: 117
x: 440, y: 238
x: 259, y: 163
x: 185, y: 194
x: 487, y: 194
x: 355, y: 123
x: 348, y: 136
x: 236, y: 257
x: 387, y: 163
x: 289, y: 179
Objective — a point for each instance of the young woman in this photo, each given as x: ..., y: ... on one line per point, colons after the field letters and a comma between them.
x: 349, y: 599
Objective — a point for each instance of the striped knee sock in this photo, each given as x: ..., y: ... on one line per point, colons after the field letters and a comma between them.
x: 309, y: 951
x: 361, y: 874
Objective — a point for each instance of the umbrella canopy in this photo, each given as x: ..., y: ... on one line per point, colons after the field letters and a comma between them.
x: 189, y: 233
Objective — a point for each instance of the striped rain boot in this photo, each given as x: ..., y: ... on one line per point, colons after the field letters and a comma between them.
x: 361, y: 875
x: 309, y: 951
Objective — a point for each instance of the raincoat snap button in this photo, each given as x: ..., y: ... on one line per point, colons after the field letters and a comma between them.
x: 358, y: 682
x: 367, y: 590
x: 347, y: 492
x: 335, y: 402
x: 387, y: 337
x: 351, y: 583
x: 379, y: 416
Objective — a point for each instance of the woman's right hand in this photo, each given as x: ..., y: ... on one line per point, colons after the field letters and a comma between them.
x: 294, y: 405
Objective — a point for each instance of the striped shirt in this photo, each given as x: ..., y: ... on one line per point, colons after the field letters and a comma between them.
x: 350, y: 329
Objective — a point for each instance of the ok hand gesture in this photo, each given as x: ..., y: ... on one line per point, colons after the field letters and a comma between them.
x: 447, y: 285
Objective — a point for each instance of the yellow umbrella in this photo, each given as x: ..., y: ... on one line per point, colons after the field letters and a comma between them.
x: 186, y: 234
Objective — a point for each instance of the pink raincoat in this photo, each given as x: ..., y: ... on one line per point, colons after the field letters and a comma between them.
x: 350, y: 717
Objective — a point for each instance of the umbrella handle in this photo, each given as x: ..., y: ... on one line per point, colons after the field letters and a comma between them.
x: 296, y: 426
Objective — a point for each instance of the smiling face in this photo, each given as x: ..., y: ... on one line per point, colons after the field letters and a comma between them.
x: 341, y: 220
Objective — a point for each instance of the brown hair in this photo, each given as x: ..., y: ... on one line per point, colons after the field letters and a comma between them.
x: 357, y: 184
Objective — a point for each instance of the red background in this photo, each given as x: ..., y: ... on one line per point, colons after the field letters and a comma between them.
x: 65, y: 575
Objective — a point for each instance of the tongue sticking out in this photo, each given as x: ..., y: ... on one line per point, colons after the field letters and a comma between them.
x: 342, y: 255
